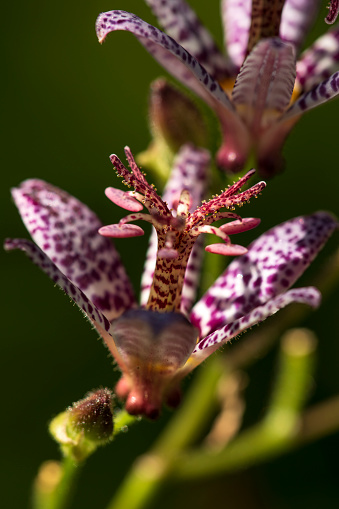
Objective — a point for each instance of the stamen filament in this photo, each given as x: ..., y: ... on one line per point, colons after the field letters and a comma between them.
x: 136, y: 217
x: 214, y: 230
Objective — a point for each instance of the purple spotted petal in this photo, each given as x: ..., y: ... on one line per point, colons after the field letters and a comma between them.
x: 189, y: 172
x: 333, y: 10
x: 273, y: 263
x: 265, y: 82
x: 296, y: 20
x: 328, y: 89
x: 45, y: 263
x: 319, y: 61
x: 183, y: 66
x: 236, y: 16
x: 67, y: 231
x: 213, y: 341
x: 173, y: 57
x: 180, y: 21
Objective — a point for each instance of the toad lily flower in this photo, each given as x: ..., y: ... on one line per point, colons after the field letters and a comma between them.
x: 159, y: 342
x: 258, y: 106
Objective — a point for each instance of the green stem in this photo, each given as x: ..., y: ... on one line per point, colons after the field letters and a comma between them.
x: 151, y: 470
x: 142, y: 483
x: 258, y: 445
x: 277, y: 431
x: 122, y: 420
x: 65, y: 489
x: 55, y: 484
x: 319, y: 421
x: 196, y: 411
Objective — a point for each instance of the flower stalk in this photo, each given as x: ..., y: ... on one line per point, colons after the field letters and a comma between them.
x: 55, y: 484
x: 150, y: 471
x: 280, y: 427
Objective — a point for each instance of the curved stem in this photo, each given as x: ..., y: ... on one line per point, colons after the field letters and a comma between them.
x: 279, y: 429
x: 257, y: 445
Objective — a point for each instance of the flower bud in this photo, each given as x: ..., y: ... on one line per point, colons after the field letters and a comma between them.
x: 174, y: 120
x: 85, y: 425
x: 175, y: 117
x: 92, y: 416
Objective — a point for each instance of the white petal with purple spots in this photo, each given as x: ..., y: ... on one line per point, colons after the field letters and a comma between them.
x: 236, y: 16
x: 296, y: 19
x: 180, y: 21
x: 319, y: 61
x: 173, y: 57
x: 328, y: 89
x: 67, y: 231
x: 273, y: 263
x: 212, y: 342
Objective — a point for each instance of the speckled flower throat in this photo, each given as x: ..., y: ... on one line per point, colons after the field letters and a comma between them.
x: 177, y: 228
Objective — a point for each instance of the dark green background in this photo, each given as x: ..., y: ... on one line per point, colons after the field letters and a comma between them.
x: 67, y: 103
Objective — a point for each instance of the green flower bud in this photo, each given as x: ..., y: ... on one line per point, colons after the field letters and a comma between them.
x: 93, y: 416
x: 175, y: 117
x: 174, y: 120
x: 85, y: 425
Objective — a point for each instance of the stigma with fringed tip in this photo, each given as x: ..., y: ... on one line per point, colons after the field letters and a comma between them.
x: 177, y: 229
